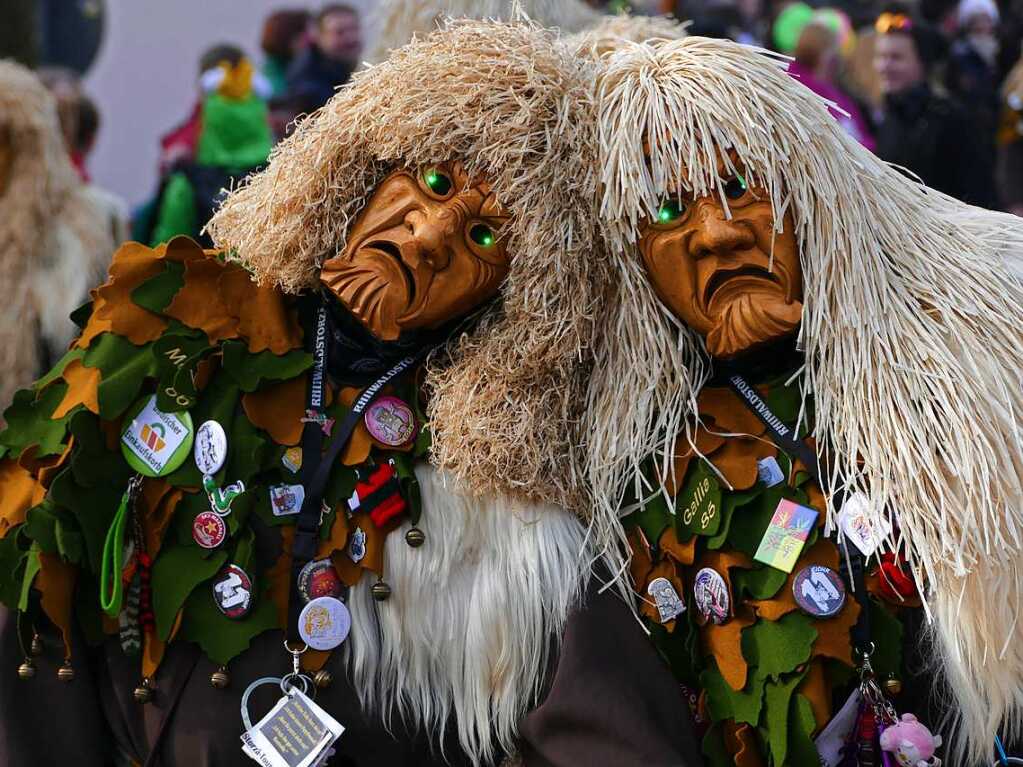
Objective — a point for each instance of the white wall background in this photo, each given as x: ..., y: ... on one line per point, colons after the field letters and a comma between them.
x: 143, y: 79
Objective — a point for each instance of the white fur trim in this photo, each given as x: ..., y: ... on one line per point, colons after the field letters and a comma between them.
x: 474, y: 615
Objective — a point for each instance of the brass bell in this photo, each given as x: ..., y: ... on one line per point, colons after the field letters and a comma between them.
x: 220, y: 678
x: 66, y: 673
x: 37, y: 645
x: 27, y: 670
x: 380, y: 591
x: 892, y: 685
x: 323, y: 678
x: 415, y: 537
x: 144, y: 692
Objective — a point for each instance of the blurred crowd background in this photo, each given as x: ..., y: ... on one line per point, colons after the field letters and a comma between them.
x: 163, y: 104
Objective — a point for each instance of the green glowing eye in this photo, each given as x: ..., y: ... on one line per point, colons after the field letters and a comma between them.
x: 439, y: 183
x: 670, y: 210
x: 482, y: 235
x: 735, y: 188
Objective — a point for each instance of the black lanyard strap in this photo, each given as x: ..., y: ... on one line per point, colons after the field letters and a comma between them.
x: 316, y: 464
x: 852, y: 564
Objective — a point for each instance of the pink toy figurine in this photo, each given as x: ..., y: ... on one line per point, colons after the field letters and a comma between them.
x: 911, y: 742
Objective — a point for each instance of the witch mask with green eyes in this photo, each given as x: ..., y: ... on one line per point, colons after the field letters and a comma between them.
x: 718, y: 264
x: 425, y: 249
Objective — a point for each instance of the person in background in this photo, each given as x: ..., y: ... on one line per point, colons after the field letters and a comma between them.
x: 971, y: 75
x: 328, y: 61
x: 1010, y: 142
x: 920, y: 130
x: 284, y: 37
x: 113, y: 207
x: 816, y: 65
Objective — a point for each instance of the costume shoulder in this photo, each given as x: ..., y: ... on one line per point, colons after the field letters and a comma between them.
x: 191, y: 333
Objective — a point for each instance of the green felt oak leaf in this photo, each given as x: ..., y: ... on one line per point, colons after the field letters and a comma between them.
x: 58, y: 370
x: 729, y: 504
x: 220, y: 637
x: 784, y: 402
x: 778, y: 647
x: 675, y: 648
x: 156, y: 293
x: 886, y: 633
x: 176, y: 573
x: 249, y: 370
x: 759, y: 583
x: 749, y: 524
x: 93, y: 508
x: 713, y: 748
x: 698, y: 505
x: 87, y: 612
x: 41, y: 526
x: 263, y: 509
x: 70, y: 542
x: 725, y: 703
x: 32, y: 567
x: 124, y: 367
x: 249, y: 451
x: 28, y: 422
x: 12, y: 560
x: 801, y: 727
x: 177, y: 357
x: 403, y: 468
x: 652, y: 517
x: 219, y: 402
x: 777, y: 696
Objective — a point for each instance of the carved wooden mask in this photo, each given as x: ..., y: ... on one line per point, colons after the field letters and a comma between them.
x: 715, y: 273
x: 424, y: 250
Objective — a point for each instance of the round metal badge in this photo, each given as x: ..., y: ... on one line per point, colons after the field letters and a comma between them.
x: 819, y: 591
x: 155, y: 443
x: 710, y: 593
x: 319, y: 579
x: 209, y: 530
x: 391, y: 421
x: 210, y: 449
x: 324, y: 623
x: 232, y: 591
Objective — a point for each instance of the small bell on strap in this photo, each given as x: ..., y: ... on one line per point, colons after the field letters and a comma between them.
x: 380, y: 591
x: 893, y: 685
x: 36, y: 648
x: 415, y: 537
x: 66, y: 673
x: 144, y: 692
x: 220, y: 679
x: 27, y: 670
x: 323, y: 679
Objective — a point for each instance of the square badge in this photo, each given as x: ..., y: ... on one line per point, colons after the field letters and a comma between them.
x: 785, y: 535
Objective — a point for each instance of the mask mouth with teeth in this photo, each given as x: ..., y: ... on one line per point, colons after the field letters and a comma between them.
x: 424, y: 250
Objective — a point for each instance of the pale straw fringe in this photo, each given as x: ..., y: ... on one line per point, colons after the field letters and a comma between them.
x: 911, y: 329
x: 605, y: 37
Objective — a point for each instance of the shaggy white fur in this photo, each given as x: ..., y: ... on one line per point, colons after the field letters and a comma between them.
x: 466, y: 637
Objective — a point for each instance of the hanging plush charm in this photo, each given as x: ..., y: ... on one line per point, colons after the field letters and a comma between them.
x: 911, y: 742
x: 380, y: 495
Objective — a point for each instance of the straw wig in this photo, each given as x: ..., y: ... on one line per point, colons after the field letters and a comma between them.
x: 605, y: 37
x: 911, y: 330
x: 509, y: 102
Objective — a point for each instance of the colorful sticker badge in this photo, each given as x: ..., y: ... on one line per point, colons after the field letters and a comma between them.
x: 769, y: 472
x: 232, y: 591
x: 210, y: 450
x: 867, y: 531
x: 209, y: 530
x: 819, y: 591
x: 785, y: 535
x: 669, y: 604
x: 357, y: 546
x: 292, y: 459
x: 155, y: 443
x: 324, y: 623
x: 391, y: 421
x: 319, y: 579
x: 710, y: 592
x: 286, y: 499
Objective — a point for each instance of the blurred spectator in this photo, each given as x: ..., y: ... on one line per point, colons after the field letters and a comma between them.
x: 972, y: 71
x: 788, y: 25
x: 1010, y: 142
x: 234, y: 139
x: 816, y: 65
x: 65, y: 86
x: 114, y: 208
x: 330, y: 59
x: 920, y: 130
x: 284, y: 36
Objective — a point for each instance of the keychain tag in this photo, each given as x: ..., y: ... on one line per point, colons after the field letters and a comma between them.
x: 296, y: 733
x: 867, y: 531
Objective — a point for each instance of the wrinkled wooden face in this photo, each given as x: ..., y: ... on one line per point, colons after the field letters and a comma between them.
x: 424, y: 250
x: 6, y: 157
x: 715, y: 273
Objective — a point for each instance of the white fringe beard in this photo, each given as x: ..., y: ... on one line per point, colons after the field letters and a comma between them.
x: 475, y: 613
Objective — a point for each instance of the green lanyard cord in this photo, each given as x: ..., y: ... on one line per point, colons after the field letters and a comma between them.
x: 111, y: 589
